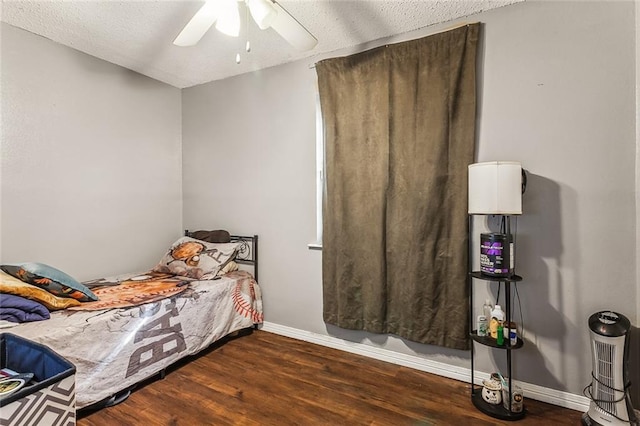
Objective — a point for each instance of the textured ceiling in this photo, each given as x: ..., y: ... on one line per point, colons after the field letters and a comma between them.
x: 138, y: 34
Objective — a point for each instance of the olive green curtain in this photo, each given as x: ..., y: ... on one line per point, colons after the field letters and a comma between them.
x: 399, y: 126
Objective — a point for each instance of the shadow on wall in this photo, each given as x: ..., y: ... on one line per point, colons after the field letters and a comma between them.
x: 548, y: 275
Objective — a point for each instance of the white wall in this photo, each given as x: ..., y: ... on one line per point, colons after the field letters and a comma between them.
x: 91, y: 161
x: 556, y: 93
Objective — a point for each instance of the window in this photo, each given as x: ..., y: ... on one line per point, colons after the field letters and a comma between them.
x: 319, y: 174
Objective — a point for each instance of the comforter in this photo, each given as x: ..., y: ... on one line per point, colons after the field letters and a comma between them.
x: 116, y: 348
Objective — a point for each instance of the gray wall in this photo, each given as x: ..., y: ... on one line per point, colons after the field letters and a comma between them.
x: 249, y: 167
x: 557, y: 94
x: 638, y: 151
x: 91, y: 161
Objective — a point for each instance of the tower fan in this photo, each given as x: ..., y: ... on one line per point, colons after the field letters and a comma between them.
x: 608, y: 391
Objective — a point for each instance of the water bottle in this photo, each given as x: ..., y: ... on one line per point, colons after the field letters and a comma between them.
x: 487, y: 308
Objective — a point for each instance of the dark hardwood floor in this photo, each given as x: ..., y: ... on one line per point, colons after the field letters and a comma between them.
x: 266, y: 379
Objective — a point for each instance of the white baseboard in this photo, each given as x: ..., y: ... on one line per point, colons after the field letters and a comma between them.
x: 539, y: 393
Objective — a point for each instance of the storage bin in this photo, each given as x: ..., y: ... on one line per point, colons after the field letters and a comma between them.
x: 49, y: 402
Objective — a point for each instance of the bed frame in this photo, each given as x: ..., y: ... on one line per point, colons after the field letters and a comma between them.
x: 247, y: 255
x: 248, y: 252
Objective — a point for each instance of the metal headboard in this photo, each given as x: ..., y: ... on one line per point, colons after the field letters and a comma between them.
x: 247, y: 253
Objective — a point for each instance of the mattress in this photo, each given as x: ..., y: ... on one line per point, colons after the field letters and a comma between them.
x: 113, y: 349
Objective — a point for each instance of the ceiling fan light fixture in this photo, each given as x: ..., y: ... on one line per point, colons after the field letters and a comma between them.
x: 198, y: 25
x: 228, y: 17
x: 263, y: 12
x: 266, y: 13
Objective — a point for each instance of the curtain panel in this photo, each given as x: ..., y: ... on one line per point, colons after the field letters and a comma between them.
x: 399, y: 127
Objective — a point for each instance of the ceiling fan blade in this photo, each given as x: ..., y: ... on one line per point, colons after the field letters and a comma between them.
x: 292, y: 30
x: 198, y: 25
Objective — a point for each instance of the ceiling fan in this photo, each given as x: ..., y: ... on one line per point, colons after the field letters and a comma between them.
x: 225, y: 14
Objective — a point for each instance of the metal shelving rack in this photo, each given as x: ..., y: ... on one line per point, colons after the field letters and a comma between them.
x: 496, y: 411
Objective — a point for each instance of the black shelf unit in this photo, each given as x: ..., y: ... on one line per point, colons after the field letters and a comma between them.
x: 489, y: 341
x: 496, y: 411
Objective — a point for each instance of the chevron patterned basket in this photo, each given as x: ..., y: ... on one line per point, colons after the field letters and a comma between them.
x: 51, y: 401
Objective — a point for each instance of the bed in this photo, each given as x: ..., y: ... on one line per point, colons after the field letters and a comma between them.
x: 120, y: 341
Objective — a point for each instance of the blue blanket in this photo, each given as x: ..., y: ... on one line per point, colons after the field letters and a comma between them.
x: 18, y: 309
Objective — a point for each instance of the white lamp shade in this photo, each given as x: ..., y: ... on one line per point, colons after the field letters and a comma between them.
x: 495, y: 188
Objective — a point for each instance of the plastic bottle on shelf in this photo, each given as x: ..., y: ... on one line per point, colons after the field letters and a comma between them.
x: 482, y: 326
x: 497, y: 318
x: 500, y: 334
x: 487, y: 308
